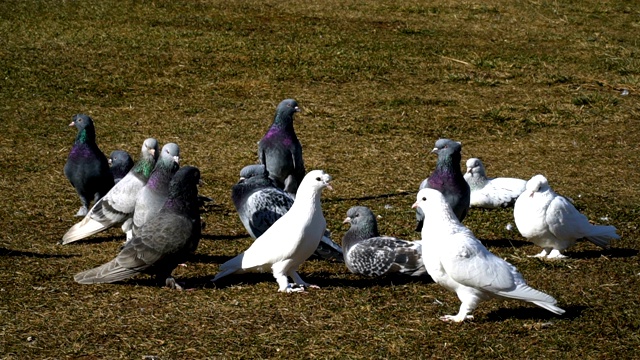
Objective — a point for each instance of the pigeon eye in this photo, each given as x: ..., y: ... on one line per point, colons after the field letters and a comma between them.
x: 318, y: 179
x: 424, y: 198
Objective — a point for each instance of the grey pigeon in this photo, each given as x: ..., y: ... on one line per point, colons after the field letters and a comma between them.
x: 163, y: 242
x: 459, y: 262
x: 121, y: 163
x: 553, y: 223
x: 87, y: 168
x: 368, y: 253
x: 289, y: 241
x: 154, y: 193
x: 280, y: 150
x: 260, y: 203
x: 117, y: 206
x: 491, y: 193
x: 448, y: 179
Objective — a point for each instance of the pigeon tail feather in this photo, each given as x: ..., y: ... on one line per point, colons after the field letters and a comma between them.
x: 601, y: 235
x: 83, y: 229
x: 231, y: 266
x: 529, y: 294
x: 107, y: 273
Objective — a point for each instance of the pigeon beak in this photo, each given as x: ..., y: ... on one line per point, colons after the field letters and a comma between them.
x: 531, y: 195
x: 177, y: 159
x: 329, y: 187
x: 297, y: 109
x: 347, y: 220
x: 73, y: 123
x: 435, y: 150
x: 152, y: 152
x: 415, y: 205
x: 110, y: 161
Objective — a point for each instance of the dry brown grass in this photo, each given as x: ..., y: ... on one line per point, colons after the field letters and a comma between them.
x: 528, y: 86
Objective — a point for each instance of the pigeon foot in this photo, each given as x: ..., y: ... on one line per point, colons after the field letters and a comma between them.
x: 82, y: 212
x: 456, y: 318
x: 556, y: 254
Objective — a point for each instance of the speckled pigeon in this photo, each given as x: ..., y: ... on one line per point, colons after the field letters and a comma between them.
x: 87, y: 168
x: 368, y: 253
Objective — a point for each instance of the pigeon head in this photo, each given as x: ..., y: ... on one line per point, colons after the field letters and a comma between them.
x: 475, y: 166
x: 170, y: 153
x: 317, y: 180
x: 250, y: 171
x: 431, y: 201
x: 86, y: 129
x: 285, y: 111
x: 120, y: 158
x: 446, y: 146
x: 184, y: 184
x: 150, y: 147
x: 361, y: 217
x: 537, y: 183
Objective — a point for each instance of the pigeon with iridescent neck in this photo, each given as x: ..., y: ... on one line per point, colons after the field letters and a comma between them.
x: 280, y: 150
x: 117, y: 206
x: 448, y: 179
x: 154, y: 193
x: 87, y: 168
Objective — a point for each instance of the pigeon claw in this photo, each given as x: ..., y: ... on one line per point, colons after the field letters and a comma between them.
x: 456, y: 318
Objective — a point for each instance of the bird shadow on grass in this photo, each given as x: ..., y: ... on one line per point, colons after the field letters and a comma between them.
x: 535, y: 313
x: 371, y: 197
x: 325, y: 279
x: 19, y: 253
x: 223, y: 237
x: 208, y: 259
x: 504, y: 243
x: 609, y: 253
x: 98, y: 240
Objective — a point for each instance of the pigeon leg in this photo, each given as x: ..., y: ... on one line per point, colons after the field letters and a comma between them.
x: 278, y: 270
x: 83, y: 211
x: 469, y: 302
x: 171, y: 283
x: 542, y: 254
x: 556, y: 254
x: 298, y: 280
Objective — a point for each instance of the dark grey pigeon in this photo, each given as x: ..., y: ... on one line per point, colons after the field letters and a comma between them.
x: 154, y: 193
x: 121, y: 163
x: 368, y: 253
x: 260, y: 203
x: 448, y: 179
x: 117, y: 206
x: 280, y: 151
x: 163, y: 242
x: 87, y: 168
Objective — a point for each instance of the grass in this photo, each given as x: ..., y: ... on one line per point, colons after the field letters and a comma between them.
x: 528, y: 86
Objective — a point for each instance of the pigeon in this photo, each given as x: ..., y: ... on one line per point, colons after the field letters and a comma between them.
x: 552, y: 222
x: 154, y: 193
x: 120, y: 162
x: 448, y: 179
x: 491, y: 193
x: 163, y: 242
x: 87, y: 168
x: 280, y: 150
x: 289, y: 241
x: 368, y: 253
x: 259, y: 203
x: 459, y: 262
x: 117, y: 206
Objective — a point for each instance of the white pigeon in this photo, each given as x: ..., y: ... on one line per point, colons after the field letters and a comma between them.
x: 491, y: 193
x: 117, y: 206
x: 455, y: 259
x: 552, y: 222
x: 284, y: 246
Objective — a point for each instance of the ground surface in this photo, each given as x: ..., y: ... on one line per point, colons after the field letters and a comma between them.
x: 528, y: 86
